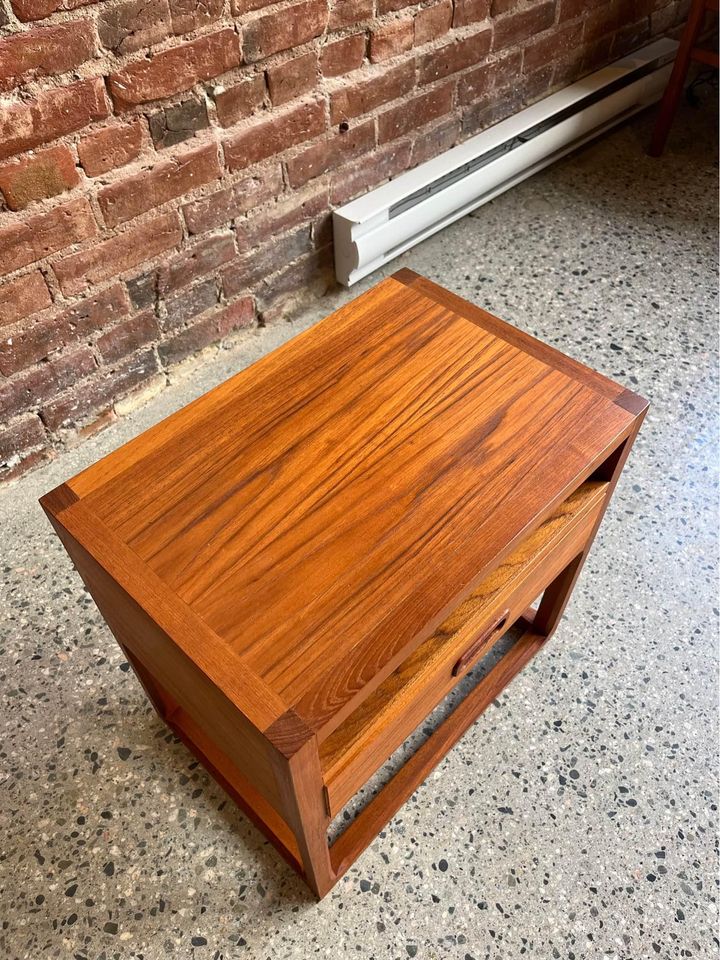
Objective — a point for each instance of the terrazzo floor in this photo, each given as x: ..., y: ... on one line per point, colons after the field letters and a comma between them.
x: 578, y: 817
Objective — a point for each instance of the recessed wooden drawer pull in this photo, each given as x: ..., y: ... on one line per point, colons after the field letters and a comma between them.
x: 476, y: 648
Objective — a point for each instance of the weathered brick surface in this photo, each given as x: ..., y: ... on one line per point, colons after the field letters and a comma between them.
x: 44, y: 337
x: 293, y: 78
x: 110, y: 147
x: 31, y: 388
x: 240, y: 100
x: 196, y: 261
x: 433, y: 22
x: 365, y: 95
x: 202, y: 145
x: 392, y: 39
x: 26, y: 10
x: 284, y: 29
x: 470, y: 11
x: 343, y: 55
x: 120, y: 253
x: 410, y: 115
x: 82, y: 403
x: 330, y: 153
x: 22, y: 297
x: 175, y: 70
x: 44, y: 51
x: 207, y: 331
x: 45, y: 233
x: 349, y: 13
x: 133, y: 24
x: 147, y: 189
x: 37, y: 176
x: 223, y: 206
x: 52, y: 114
x: 352, y: 179
x: 246, y: 272
x: 128, y: 336
x: 520, y: 26
x: 189, y: 15
x: 454, y: 56
x: 18, y: 439
x: 183, y: 307
x: 281, y: 217
x: 265, y: 138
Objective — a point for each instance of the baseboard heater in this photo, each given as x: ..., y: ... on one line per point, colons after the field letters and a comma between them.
x: 374, y: 229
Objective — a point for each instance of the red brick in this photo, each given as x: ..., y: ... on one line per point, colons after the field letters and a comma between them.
x: 414, y: 113
x: 470, y: 11
x: 433, y: 142
x: 240, y: 101
x: 19, y: 439
x: 391, y: 6
x: 189, y: 15
x: 630, y: 37
x: 26, y: 10
x: 284, y: 29
x: 133, y: 24
x: 569, y: 9
x: 477, y: 84
x: 196, y: 261
x: 342, y: 56
x: 31, y: 388
x: 44, y: 51
x: 239, y: 7
x: 211, y: 330
x: 37, y: 176
x: 23, y: 296
x: 45, y: 233
x: 517, y: 27
x: 454, y: 56
x: 281, y: 217
x: 110, y: 147
x: 129, y: 335
x: 84, y: 400
x: 54, y: 113
x: 330, y: 153
x: 292, y: 79
x: 482, y: 115
x: 555, y: 45
x: 245, y: 273
x: 46, y: 336
x: 372, y: 91
x: 309, y: 277
x: 164, y: 181
x: 351, y: 181
x: 433, y: 22
x: 219, y: 209
x: 265, y: 138
x: 118, y: 254
x: 391, y: 39
x: 349, y: 13
x: 189, y: 304
x: 175, y: 70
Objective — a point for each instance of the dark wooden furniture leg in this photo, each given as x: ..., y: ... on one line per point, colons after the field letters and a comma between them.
x: 687, y: 52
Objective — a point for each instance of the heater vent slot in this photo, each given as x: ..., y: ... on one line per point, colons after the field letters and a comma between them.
x: 442, y: 183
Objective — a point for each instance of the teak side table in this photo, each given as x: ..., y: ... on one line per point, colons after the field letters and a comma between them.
x: 302, y: 563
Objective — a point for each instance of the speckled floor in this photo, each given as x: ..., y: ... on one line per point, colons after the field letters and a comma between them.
x: 577, y: 818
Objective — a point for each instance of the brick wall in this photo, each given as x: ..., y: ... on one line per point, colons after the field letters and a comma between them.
x: 167, y: 167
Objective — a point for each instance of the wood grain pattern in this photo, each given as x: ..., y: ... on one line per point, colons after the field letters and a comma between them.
x: 312, y: 500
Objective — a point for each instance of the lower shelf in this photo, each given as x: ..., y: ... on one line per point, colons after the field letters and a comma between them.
x: 360, y: 746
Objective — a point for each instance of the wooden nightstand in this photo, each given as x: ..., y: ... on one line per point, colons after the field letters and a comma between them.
x: 302, y: 563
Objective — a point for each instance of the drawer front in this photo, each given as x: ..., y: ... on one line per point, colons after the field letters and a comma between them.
x: 376, y: 730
